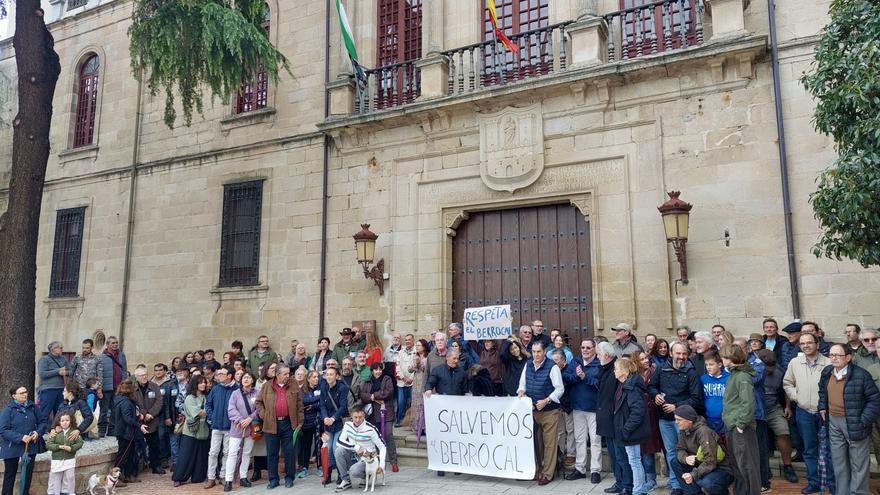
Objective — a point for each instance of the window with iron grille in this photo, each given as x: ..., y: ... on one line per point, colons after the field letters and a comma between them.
x: 398, y: 40
x: 86, y: 102
x: 66, y: 252
x: 73, y: 4
x: 240, y: 237
x: 254, y: 92
x: 515, y: 17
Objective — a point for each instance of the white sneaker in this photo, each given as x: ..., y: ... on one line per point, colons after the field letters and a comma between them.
x: 343, y: 485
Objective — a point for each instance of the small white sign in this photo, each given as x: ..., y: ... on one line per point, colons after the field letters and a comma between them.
x: 487, y: 323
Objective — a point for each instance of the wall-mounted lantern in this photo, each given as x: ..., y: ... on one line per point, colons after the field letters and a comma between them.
x: 365, y: 244
x: 676, y: 214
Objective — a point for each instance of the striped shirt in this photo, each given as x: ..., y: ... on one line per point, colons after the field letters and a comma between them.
x: 363, y: 437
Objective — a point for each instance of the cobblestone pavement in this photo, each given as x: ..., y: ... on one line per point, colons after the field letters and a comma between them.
x: 410, y: 481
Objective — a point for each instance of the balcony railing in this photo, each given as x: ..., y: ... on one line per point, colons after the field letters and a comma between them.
x: 75, y: 4
x: 656, y: 27
x: 660, y: 26
x: 490, y: 63
x: 389, y: 86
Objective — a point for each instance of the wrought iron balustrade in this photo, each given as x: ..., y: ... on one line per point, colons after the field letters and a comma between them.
x: 655, y: 27
x: 389, y: 86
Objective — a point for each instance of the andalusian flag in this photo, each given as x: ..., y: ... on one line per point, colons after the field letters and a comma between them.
x: 499, y: 34
x: 348, y: 39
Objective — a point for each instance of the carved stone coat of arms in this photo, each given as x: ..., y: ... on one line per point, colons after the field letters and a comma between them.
x: 511, y: 147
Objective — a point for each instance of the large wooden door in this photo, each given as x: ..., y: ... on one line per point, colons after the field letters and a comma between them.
x: 536, y: 259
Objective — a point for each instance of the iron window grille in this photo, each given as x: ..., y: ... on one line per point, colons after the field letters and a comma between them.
x: 75, y: 4
x: 67, y: 252
x: 87, y: 102
x: 240, y: 236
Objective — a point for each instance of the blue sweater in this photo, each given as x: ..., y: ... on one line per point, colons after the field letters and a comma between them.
x: 713, y: 397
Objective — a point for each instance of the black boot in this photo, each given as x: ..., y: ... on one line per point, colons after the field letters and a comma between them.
x: 256, y: 476
x: 227, y: 486
x: 244, y: 482
x: 790, y: 475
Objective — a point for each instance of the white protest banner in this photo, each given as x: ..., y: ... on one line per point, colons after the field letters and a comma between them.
x: 487, y: 323
x: 488, y: 436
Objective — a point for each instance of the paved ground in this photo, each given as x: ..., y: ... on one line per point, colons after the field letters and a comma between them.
x: 410, y: 481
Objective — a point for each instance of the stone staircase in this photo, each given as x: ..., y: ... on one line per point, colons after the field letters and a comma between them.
x: 409, y: 452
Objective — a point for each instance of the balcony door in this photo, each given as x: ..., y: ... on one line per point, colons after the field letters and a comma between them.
x: 514, y: 18
x: 399, y: 40
x: 672, y: 23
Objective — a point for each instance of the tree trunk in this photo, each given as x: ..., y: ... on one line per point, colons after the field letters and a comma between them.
x: 38, y: 69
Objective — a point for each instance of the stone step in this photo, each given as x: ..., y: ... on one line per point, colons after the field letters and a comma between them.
x: 407, y: 456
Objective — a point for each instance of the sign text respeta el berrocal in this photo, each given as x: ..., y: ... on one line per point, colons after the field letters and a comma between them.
x: 487, y: 322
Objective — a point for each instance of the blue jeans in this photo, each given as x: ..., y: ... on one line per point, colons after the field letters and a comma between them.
x: 715, y: 482
x: 808, y: 425
x: 649, y: 464
x: 165, y: 433
x: 50, y: 400
x: 283, y: 439
x: 175, y: 446
x: 334, y: 436
x: 623, y: 476
x: 634, y: 454
x: 669, y: 434
x: 404, y: 397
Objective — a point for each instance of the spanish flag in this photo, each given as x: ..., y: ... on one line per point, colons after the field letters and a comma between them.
x: 499, y: 34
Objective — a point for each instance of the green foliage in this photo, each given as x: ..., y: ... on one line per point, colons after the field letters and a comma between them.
x: 845, y: 80
x: 190, y: 44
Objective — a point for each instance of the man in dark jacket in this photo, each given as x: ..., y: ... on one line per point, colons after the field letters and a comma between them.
x: 703, y: 465
x: 703, y: 343
x: 334, y: 407
x: 54, y: 370
x: 674, y: 385
x: 217, y: 407
x: 149, y: 401
x: 623, y: 479
x: 850, y: 403
x: 581, y: 379
x: 772, y: 340
x: 168, y: 387
x: 447, y: 379
x: 115, y: 369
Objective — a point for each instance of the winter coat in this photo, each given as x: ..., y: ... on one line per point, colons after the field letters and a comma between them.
x: 342, y: 350
x: 85, y: 367
x: 681, y: 386
x: 491, y: 360
x: 403, y: 366
x: 169, y: 390
x: 266, y: 406
x: 787, y: 355
x: 435, y: 360
x: 107, y: 365
x: 863, y: 358
x: 701, y: 441
x: 237, y: 411
x: 630, y: 426
x: 72, y: 406
x: 48, y: 367
x: 16, y: 421
x: 319, y: 362
x: 311, y: 407
x: 149, y: 401
x: 54, y: 444
x: 334, y: 404
x: 125, y: 418
x: 448, y: 381
x: 860, y: 397
x: 481, y: 384
x: 654, y: 442
x: 513, y: 368
x: 217, y: 405
x: 605, y: 402
x: 801, y: 381
x: 626, y: 347
x: 582, y: 393
x: 739, y: 398
x: 370, y: 392
x: 255, y: 360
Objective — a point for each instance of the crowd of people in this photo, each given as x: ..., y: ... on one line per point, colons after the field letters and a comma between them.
x: 707, y: 402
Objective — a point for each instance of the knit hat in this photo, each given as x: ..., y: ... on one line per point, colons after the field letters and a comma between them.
x: 686, y: 412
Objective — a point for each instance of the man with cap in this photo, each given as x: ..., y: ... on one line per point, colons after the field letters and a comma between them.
x: 791, y: 347
x: 346, y: 347
x: 625, y: 342
x: 703, y: 465
x: 755, y: 342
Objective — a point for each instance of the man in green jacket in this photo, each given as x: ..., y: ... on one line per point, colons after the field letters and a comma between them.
x: 348, y: 346
x: 260, y: 355
x: 703, y: 465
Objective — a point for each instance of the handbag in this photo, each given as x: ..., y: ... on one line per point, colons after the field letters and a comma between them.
x: 256, y: 425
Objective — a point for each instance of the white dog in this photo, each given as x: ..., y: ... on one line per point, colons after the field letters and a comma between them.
x: 371, y: 467
x: 106, y: 482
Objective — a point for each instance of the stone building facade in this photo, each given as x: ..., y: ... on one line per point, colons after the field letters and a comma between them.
x: 580, y: 139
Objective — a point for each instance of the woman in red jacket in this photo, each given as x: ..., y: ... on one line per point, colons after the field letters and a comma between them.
x: 374, y: 349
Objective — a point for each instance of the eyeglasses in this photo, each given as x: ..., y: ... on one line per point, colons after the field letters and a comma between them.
x: 868, y: 339
x: 835, y: 355
x: 586, y: 347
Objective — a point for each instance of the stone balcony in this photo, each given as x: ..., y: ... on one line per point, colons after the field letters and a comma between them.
x: 595, y: 48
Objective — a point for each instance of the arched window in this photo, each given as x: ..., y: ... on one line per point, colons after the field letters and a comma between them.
x: 86, y: 102
x: 254, y: 93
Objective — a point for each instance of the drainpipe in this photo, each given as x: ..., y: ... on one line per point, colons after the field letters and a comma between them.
x: 783, y: 163
x: 324, y: 180
x: 132, y: 187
